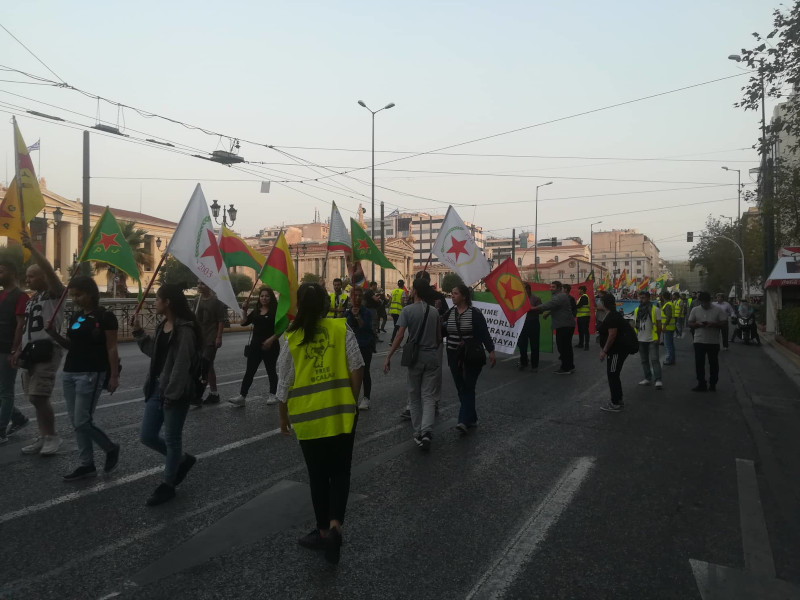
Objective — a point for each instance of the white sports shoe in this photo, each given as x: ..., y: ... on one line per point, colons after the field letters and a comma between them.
x: 271, y: 399
x: 364, y: 404
x: 33, y: 448
x: 239, y: 401
x: 51, y: 445
x: 659, y: 385
x: 644, y: 382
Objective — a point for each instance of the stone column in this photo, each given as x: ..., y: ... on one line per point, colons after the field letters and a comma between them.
x: 49, y: 244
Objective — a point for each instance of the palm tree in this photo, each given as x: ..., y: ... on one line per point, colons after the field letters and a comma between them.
x: 136, y: 238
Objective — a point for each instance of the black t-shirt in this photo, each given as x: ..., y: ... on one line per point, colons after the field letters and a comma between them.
x: 87, y: 338
x: 263, y: 327
x: 613, y: 320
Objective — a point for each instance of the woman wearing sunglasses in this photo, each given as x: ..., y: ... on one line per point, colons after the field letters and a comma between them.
x: 169, y: 387
x: 92, y: 361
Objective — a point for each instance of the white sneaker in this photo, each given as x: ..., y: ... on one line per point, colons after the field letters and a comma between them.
x: 659, y: 385
x: 644, y: 382
x: 271, y: 399
x: 239, y: 401
x: 364, y: 404
x: 33, y: 448
x: 51, y: 445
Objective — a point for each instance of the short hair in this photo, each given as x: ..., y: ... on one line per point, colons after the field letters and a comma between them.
x: 557, y: 284
x: 371, y: 283
x: 644, y: 292
x: 567, y: 286
x: 527, y: 287
x: 608, y: 301
x: 704, y: 297
x: 400, y: 283
x: 582, y: 287
x: 335, y: 279
x: 87, y: 285
x: 424, y: 275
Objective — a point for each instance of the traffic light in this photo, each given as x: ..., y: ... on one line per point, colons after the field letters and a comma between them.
x: 689, y: 236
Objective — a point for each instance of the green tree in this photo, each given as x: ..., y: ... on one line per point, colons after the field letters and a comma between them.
x: 310, y: 278
x: 450, y: 281
x: 241, y: 283
x: 173, y: 271
x: 13, y: 253
x: 718, y: 258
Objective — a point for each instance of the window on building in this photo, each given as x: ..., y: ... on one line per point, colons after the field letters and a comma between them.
x: 519, y: 262
x: 342, y: 267
x: 638, y: 263
x: 538, y: 260
x: 627, y: 263
x: 556, y: 257
x: 561, y: 274
x: 316, y: 266
x: 638, y: 271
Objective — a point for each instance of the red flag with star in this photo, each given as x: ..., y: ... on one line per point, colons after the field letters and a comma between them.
x: 507, y: 287
x: 365, y: 249
x: 106, y: 244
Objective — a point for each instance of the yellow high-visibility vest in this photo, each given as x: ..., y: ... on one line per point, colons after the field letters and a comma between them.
x: 320, y: 401
x: 336, y: 302
x: 654, y: 337
x: 584, y: 311
x: 677, y: 305
x: 669, y: 326
x: 396, y: 307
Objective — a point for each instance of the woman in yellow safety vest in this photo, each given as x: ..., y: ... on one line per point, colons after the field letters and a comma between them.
x: 319, y: 376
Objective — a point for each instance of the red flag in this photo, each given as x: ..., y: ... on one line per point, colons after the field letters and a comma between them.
x: 506, y: 286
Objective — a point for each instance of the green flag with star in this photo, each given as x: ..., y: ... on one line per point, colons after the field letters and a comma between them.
x: 364, y: 248
x: 106, y: 244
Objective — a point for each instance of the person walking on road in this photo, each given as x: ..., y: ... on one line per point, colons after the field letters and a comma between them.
x: 91, y: 365
x: 668, y: 320
x: 647, y: 322
x: 424, y: 328
x: 263, y: 346
x: 319, y: 375
x: 679, y: 309
x: 707, y: 322
x: 40, y: 356
x: 583, y: 317
x: 560, y: 309
x: 170, y: 386
x: 359, y: 319
x: 467, y: 335
x: 398, y: 300
x: 211, y: 315
x: 12, y: 318
x: 725, y: 306
x: 530, y: 333
x: 610, y: 336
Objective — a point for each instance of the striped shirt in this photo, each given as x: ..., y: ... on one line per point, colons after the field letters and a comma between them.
x: 464, y: 324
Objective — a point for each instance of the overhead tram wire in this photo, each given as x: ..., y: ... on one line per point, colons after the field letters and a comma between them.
x: 32, y: 53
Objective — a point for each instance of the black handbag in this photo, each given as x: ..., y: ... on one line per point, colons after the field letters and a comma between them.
x: 36, y: 352
x: 470, y: 352
x: 410, y: 354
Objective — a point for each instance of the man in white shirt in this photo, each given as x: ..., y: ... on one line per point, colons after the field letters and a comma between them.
x: 647, y: 322
x: 706, y: 321
x: 722, y: 304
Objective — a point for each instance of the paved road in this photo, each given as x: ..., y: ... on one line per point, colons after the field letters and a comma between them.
x: 549, y: 498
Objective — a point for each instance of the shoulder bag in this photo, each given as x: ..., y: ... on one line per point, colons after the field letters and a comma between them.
x: 411, y: 349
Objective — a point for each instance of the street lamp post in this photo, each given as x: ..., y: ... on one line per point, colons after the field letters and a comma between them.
x: 229, y: 213
x: 374, y: 112
x: 591, y: 241
x: 536, y: 229
x: 739, y: 207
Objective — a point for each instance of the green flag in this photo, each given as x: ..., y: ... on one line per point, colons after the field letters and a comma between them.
x: 365, y: 249
x: 106, y: 244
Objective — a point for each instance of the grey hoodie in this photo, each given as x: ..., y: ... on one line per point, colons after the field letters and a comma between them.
x: 175, y: 381
x: 560, y: 310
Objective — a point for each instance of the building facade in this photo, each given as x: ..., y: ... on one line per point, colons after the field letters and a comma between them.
x: 621, y: 249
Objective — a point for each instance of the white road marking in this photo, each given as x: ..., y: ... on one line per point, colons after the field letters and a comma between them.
x: 755, y: 538
x: 497, y: 580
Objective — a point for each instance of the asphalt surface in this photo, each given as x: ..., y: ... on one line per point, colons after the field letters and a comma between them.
x: 548, y: 498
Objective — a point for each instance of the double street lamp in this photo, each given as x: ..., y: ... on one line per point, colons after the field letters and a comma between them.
x: 374, y: 112
x: 536, y: 229
x: 229, y: 213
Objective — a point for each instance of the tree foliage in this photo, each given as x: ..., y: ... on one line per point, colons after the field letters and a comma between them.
x: 173, y: 271
x: 310, y: 278
x: 721, y: 260
x: 241, y: 283
x: 450, y: 281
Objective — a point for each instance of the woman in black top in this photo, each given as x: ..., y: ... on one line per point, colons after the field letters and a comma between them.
x: 91, y: 344
x: 462, y: 324
x: 263, y: 346
x: 610, y: 330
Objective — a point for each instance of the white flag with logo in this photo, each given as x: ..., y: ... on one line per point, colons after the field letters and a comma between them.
x: 456, y: 248
x: 195, y: 245
x: 338, y: 236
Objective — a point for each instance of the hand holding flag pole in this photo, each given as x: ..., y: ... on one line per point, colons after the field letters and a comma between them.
x: 260, y: 273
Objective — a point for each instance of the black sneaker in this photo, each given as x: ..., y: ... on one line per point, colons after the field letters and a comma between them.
x: 418, y: 440
x: 426, y: 440
x: 333, y: 545
x: 406, y: 414
x: 611, y: 407
x: 197, y: 402
x: 461, y: 429
x: 563, y: 372
x: 15, y: 426
x: 211, y: 399
x: 700, y: 388
x: 112, y: 458
x: 186, y: 464
x: 522, y: 366
x: 163, y: 493
x: 81, y: 473
x: 313, y: 540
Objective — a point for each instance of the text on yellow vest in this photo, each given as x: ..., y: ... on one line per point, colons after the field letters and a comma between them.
x: 396, y: 307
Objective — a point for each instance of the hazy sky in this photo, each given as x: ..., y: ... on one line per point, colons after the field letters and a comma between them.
x: 290, y: 74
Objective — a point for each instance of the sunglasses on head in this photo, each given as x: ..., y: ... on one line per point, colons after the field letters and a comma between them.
x: 77, y: 324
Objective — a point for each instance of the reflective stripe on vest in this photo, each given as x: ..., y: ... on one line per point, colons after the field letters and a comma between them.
x: 584, y: 311
x: 336, y: 303
x: 677, y: 305
x: 320, y: 401
x: 669, y: 325
x: 396, y: 307
x: 654, y: 337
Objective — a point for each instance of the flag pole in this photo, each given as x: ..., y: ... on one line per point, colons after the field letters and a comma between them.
x: 17, y: 175
x: 149, y: 285
x: 264, y: 266
x: 63, y: 297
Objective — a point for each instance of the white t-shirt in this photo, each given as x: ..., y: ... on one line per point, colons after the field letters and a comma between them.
x: 707, y: 335
x: 38, y: 312
x: 644, y: 333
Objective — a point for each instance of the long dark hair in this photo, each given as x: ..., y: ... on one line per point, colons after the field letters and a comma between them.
x: 272, y: 305
x: 312, y: 305
x: 179, y: 306
x: 87, y: 285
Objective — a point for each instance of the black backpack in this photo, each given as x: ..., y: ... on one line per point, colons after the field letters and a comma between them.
x: 629, y: 342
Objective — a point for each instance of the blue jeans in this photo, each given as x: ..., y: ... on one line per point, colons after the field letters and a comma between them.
x: 8, y: 378
x: 170, y: 444
x: 669, y: 346
x: 465, y: 380
x: 81, y: 392
x: 651, y: 365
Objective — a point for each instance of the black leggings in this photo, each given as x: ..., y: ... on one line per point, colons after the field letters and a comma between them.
x: 256, y: 357
x: 366, y: 354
